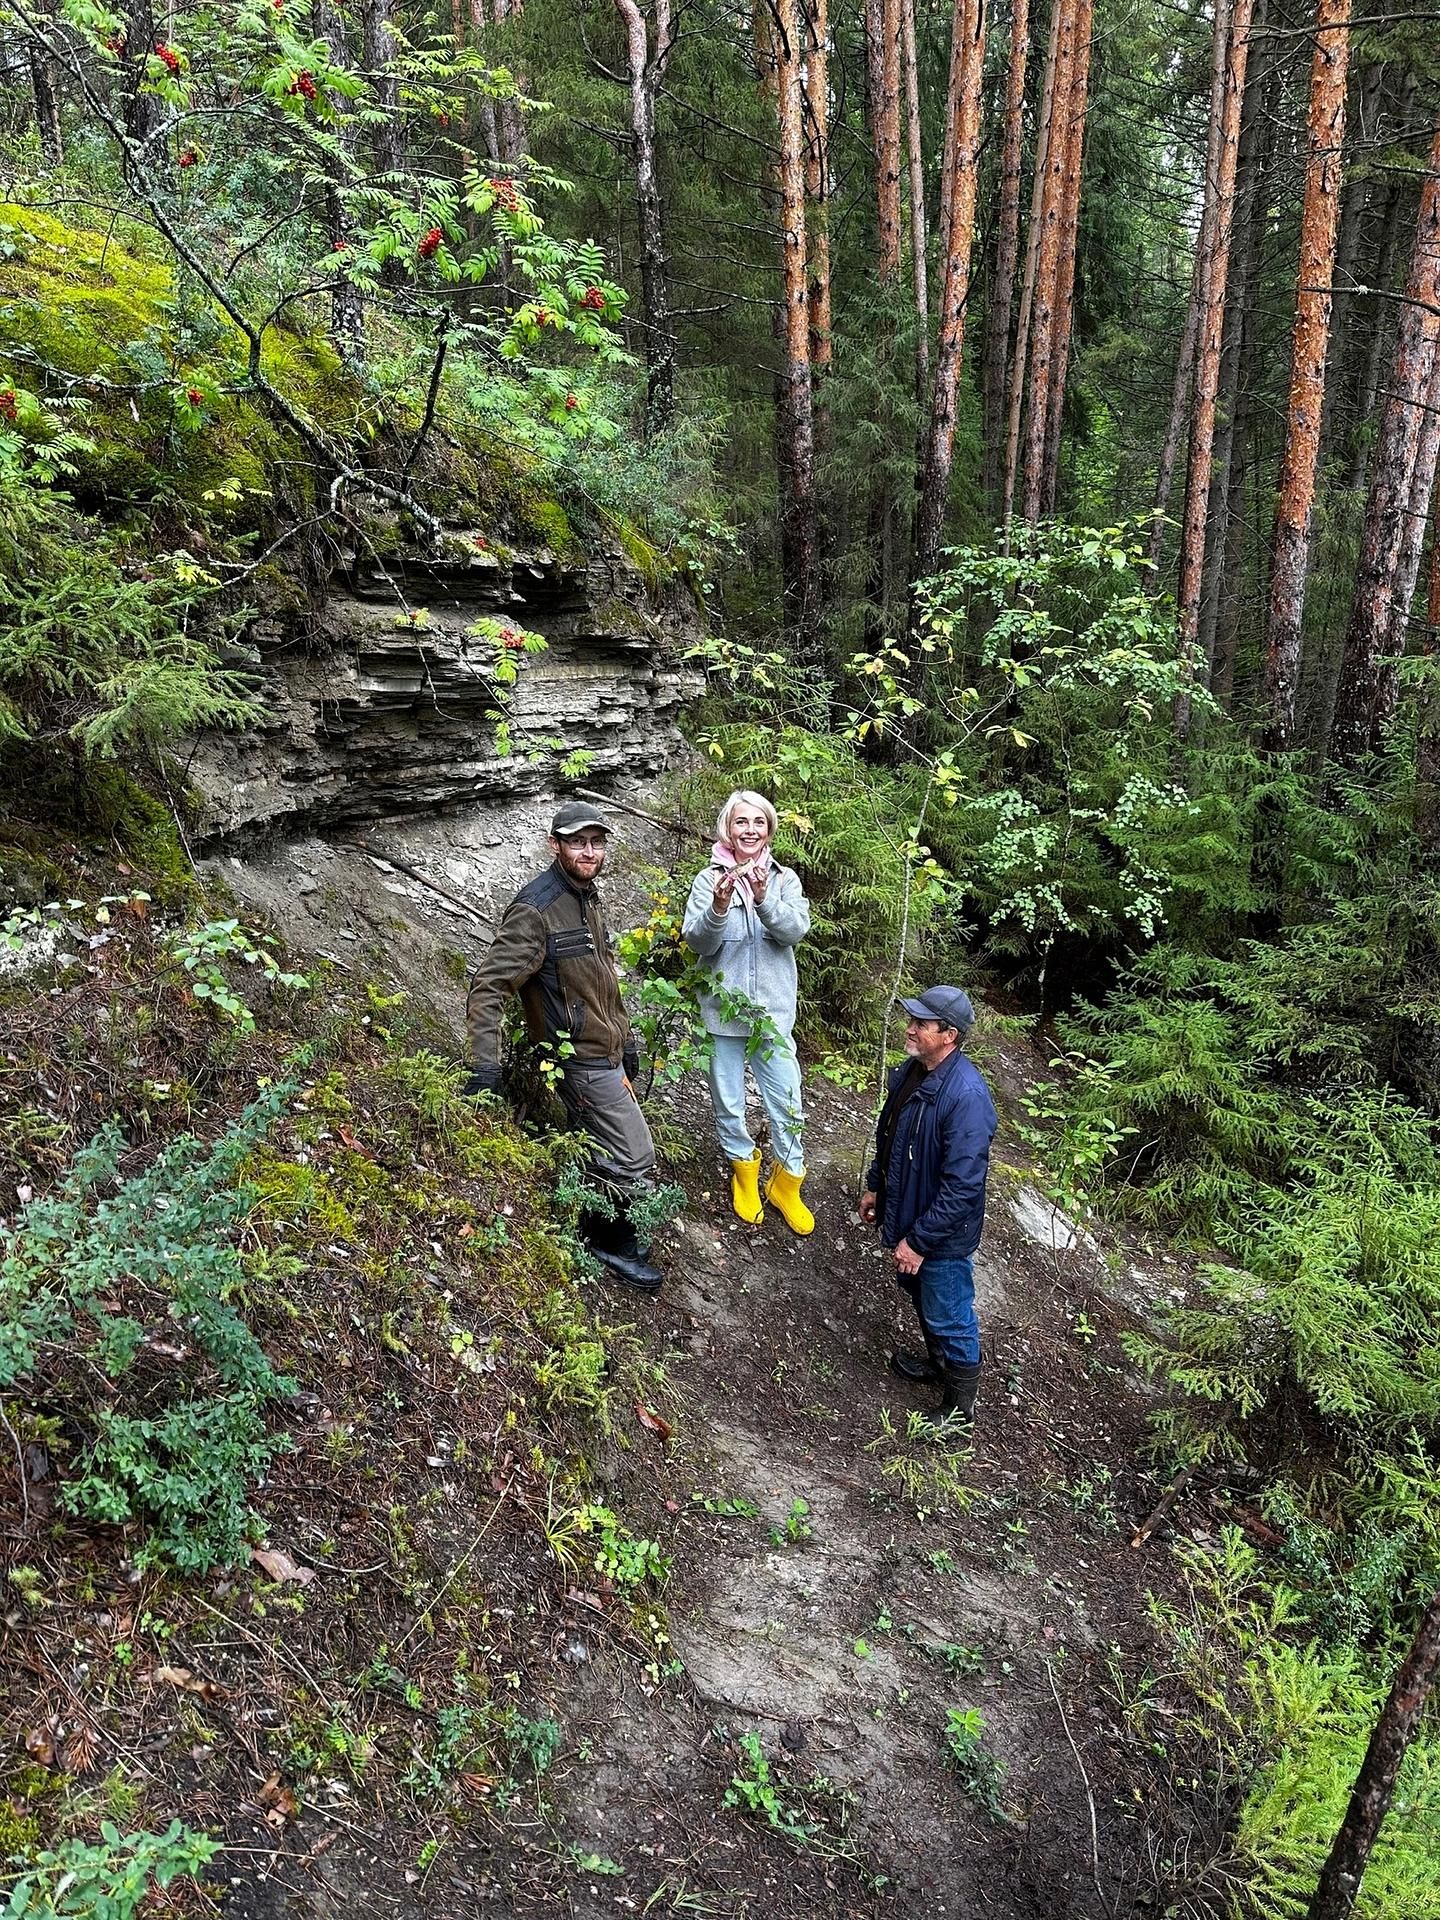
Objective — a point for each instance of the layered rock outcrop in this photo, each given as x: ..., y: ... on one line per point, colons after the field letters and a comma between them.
x: 389, y: 703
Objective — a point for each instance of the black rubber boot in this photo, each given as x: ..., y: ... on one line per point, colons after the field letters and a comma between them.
x: 923, y: 1368
x: 615, y: 1246
x: 956, y: 1413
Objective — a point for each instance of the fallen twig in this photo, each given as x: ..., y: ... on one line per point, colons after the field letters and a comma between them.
x: 1085, y: 1782
x: 1167, y: 1500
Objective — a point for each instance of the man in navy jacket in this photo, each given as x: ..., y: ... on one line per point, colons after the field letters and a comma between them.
x: 926, y: 1192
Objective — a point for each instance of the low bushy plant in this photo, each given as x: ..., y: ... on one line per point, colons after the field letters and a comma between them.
x: 130, y: 1280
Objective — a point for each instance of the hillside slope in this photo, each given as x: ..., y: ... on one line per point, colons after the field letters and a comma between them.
x: 536, y: 1562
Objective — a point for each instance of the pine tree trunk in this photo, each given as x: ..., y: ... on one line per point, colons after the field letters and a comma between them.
x: 509, y: 115
x: 1412, y: 539
x: 1179, y: 404
x: 1359, y: 706
x: 1047, y: 270
x: 660, y: 344
x: 1379, y: 336
x: 882, y: 53
x: 378, y: 54
x: 1069, y: 236
x: 144, y: 112
x: 347, y: 303
x: 1290, y: 550
x: 1207, y: 351
x: 489, y: 124
x: 1339, y: 1883
x: 1015, y: 393
x: 817, y: 193
x: 44, y: 83
x: 1000, y: 310
x: 962, y: 141
x: 915, y: 154
x: 799, y: 524
x: 1250, y: 218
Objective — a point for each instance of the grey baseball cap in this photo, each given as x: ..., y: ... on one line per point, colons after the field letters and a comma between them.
x: 949, y: 1005
x: 574, y: 817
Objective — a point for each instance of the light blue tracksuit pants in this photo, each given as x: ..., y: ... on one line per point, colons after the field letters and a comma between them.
x: 777, y: 1075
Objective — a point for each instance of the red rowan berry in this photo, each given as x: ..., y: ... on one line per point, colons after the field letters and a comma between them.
x: 430, y: 244
x: 167, y: 56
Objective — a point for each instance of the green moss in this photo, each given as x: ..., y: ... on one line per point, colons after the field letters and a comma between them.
x: 454, y: 966
x: 647, y: 559
x: 19, y: 1832
x: 549, y: 520
x: 89, y: 303
x: 300, y: 1195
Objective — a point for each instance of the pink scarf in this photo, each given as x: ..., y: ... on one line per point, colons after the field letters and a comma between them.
x: 722, y: 854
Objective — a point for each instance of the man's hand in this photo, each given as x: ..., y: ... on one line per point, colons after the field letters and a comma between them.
x: 630, y: 1064
x: 867, y: 1209
x: 906, y: 1258
x: 483, y: 1080
x: 724, y: 888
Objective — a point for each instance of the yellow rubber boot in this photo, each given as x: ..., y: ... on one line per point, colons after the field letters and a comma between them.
x: 784, y: 1190
x: 745, y: 1189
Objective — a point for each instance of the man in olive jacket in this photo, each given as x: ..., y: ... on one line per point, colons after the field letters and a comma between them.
x: 553, y: 949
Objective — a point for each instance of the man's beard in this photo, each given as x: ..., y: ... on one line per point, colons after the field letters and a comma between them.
x: 569, y: 862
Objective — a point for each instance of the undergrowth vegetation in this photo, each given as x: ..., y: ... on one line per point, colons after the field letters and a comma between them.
x: 288, y: 1340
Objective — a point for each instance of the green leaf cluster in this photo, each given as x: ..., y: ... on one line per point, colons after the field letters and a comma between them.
x: 132, y: 1280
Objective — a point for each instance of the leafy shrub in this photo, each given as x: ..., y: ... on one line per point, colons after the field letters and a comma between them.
x: 139, y: 1286
x: 108, y: 1880
x: 981, y: 1774
x: 95, y: 654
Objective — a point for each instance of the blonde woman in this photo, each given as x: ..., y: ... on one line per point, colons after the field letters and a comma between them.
x: 745, y: 916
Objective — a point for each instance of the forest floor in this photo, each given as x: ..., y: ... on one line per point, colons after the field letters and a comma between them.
x: 433, y: 1701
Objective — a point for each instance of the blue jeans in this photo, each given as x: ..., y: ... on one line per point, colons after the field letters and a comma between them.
x: 945, y: 1298
x: 777, y: 1075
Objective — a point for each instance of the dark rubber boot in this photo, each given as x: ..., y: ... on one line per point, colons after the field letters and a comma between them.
x: 615, y: 1246
x: 924, y: 1369
x: 956, y: 1413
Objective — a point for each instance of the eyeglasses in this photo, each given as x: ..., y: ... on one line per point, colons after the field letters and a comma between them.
x: 585, y: 842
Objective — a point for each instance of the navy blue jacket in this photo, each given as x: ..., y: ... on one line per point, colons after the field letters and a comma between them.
x: 932, y: 1191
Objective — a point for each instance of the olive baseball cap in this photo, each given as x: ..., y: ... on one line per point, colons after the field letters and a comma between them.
x: 949, y: 1005
x: 574, y: 817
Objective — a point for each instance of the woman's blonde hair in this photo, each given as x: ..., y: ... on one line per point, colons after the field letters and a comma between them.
x: 744, y: 797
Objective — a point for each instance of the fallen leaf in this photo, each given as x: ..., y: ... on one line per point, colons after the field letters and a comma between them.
x: 591, y: 1600
x: 280, y: 1566
x: 40, y: 1746
x: 477, y: 1784
x: 185, y: 1680
x: 653, y: 1421
x: 346, y: 1137
x: 278, y: 1801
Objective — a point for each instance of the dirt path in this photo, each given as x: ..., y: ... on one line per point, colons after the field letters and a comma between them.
x: 840, y: 1587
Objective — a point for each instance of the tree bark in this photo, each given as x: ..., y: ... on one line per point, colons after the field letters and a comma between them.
x: 489, y: 124
x: 882, y: 54
x: 915, y: 154
x: 1339, y: 1883
x: 1047, y: 271
x: 1412, y: 539
x: 817, y: 193
x: 1069, y: 236
x: 962, y: 141
x: 646, y: 71
x: 1016, y: 391
x: 1359, y: 708
x: 1000, y: 310
x: 1250, y: 217
x: 45, y: 85
x: 1208, y: 343
x: 1179, y: 403
x: 1290, y: 548
x: 799, y: 519
x: 509, y: 115
x: 378, y: 54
